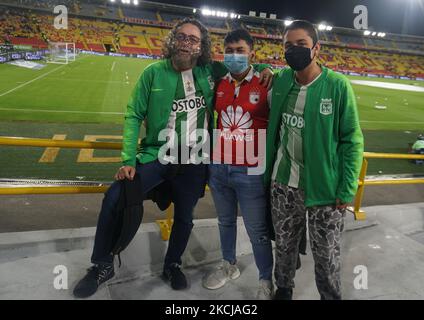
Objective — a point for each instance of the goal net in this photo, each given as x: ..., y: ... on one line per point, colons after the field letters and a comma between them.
x: 61, y: 52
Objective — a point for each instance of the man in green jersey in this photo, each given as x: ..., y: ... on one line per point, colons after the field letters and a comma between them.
x: 314, y: 153
x: 175, y: 98
x: 418, y: 148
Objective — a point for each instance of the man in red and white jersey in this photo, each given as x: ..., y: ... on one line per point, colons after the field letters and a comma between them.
x: 242, y: 110
x: 241, y: 104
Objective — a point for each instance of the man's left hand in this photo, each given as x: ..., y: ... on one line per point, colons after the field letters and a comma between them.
x: 340, y: 205
x: 265, y: 78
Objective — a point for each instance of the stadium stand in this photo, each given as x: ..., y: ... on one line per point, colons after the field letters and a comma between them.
x: 355, y: 41
x: 410, y: 46
x: 98, y: 26
x: 140, y: 14
x: 380, y: 43
x: 329, y: 36
x: 140, y: 39
x: 255, y: 28
x: 214, y: 23
x: 171, y: 17
x: 269, y: 51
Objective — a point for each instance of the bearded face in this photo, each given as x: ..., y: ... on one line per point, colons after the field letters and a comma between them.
x: 186, y: 47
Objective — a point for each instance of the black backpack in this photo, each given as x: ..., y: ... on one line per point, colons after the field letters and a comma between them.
x: 129, y: 209
x: 128, y: 215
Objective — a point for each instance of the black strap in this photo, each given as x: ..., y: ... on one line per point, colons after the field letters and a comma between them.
x: 133, y: 191
x: 119, y: 259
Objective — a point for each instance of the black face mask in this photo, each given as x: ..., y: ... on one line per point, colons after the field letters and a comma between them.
x: 298, y: 57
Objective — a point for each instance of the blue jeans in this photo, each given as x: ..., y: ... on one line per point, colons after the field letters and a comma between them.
x: 231, y: 185
x: 187, y: 187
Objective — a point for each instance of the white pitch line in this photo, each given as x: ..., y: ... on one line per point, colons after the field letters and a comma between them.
x: 388, y: 85
x: 85, y: 80
x: 39, y: 77
x: 59, y: 111
x: 120, y: 113
x: 28, y: 82
x: 113, y: 66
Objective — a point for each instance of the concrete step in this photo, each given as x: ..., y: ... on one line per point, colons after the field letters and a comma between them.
x: 389, y: 247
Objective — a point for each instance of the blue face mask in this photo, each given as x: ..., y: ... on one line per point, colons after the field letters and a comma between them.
x: 236, y: 63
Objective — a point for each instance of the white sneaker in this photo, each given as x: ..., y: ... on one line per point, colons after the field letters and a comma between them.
x: 265, y: 290
x: 218, y: 277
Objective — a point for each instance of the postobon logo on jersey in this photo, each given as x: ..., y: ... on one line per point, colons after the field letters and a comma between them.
x: 185, y: 105
x: 293, y: 120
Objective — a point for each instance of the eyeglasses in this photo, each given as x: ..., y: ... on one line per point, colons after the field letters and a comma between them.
x: 182, y: 37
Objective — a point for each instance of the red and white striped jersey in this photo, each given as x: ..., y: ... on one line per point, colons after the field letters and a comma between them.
x: 242, y: 109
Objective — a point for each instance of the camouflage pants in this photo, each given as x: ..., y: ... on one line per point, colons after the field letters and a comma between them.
x: 325, y: 225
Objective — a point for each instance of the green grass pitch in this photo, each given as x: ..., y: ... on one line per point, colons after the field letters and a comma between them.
x: 89, y: 96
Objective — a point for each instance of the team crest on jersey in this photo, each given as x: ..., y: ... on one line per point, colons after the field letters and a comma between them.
x: 220, y: 94
x: 326, y: 107
x: 254, y: 96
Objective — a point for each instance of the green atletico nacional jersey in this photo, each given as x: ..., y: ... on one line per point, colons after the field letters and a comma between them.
x: 188, y: 112
x: 289, y: 165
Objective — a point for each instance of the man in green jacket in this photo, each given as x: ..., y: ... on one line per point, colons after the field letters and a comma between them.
x: 314, y: 153
x: 418, y: 148
x: 175, y: 98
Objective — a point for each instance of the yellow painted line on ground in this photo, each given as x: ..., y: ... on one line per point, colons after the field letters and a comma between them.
x: 51, y: 190
x: 50, y: 154
x: 15, y: 141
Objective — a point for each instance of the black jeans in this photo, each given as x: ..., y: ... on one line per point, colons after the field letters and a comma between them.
x: 187, y: 187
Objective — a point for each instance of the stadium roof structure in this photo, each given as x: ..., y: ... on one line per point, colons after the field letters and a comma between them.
x: 257, y: 19
x: 253, y: 20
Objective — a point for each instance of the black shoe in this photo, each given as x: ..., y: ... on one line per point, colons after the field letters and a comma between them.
x: 96, y: 275
x: 283, y: 294
x: 175, y: 276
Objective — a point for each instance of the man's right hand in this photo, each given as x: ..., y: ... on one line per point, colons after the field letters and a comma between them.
x: 125, y: 172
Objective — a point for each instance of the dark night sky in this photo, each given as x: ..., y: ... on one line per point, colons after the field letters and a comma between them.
x: 395, y: 16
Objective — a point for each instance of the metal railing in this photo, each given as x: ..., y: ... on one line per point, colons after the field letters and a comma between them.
x: 360, y: 214
x: 166, y: 224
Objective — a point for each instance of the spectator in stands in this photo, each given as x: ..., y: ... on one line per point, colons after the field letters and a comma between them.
x: 314, y: 154
x: 239, y: 95
x: 418, y: 148
x: 163, y: 96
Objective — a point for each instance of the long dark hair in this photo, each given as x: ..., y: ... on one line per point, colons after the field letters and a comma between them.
x: 205, y: 41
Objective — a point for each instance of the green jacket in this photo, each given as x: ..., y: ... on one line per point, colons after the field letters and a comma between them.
x: 333, y: 142
x: 418, y: 145
x: 152, y: 98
